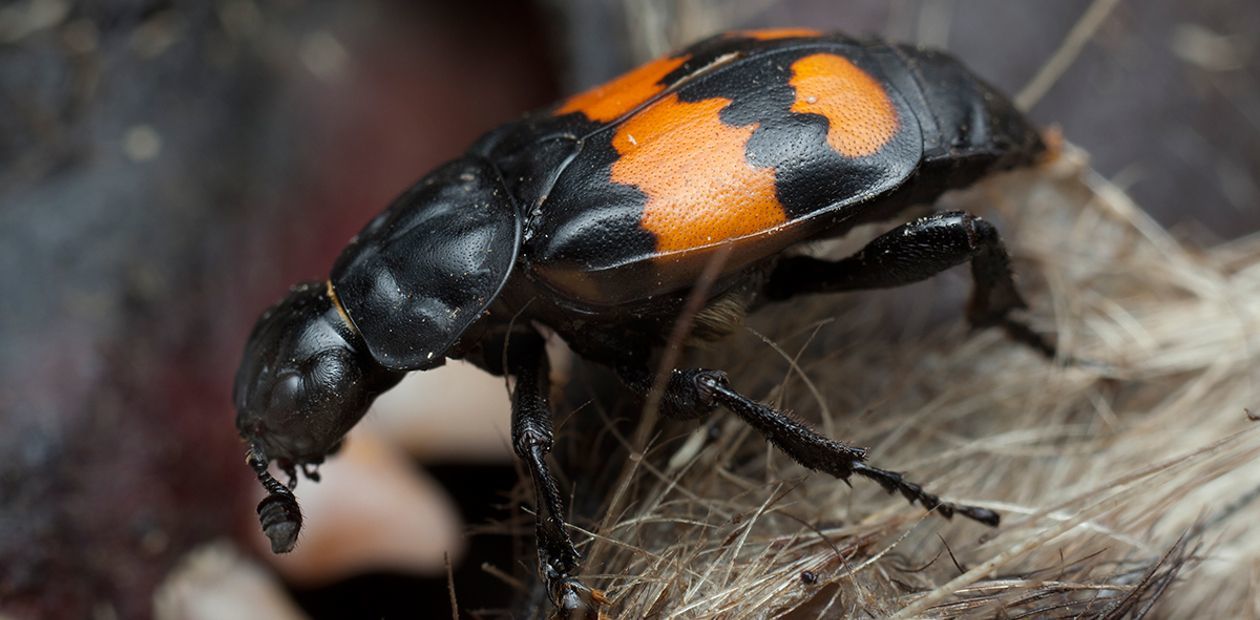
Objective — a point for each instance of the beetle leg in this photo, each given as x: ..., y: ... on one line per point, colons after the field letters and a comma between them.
x: 916, y: 251
x: 532, y: 440
x: 679, y: 400
x: 705, y: 389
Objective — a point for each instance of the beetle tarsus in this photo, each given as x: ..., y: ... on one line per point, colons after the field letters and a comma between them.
x: 895, y: 482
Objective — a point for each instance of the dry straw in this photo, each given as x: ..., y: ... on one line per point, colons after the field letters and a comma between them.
x: 1125, y: 478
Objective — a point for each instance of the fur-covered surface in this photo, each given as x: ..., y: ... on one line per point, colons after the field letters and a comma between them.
x: 1124, y: 471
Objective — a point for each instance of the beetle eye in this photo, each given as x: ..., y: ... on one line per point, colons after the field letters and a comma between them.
x: 286, y: 394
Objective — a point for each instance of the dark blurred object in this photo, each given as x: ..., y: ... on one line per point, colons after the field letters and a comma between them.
x: 1165, y: 96
x: 166, y: 170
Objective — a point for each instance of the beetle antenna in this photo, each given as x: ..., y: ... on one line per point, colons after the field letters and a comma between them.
x: 279, y: 513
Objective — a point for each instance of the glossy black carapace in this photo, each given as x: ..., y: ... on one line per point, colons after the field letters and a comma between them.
x: 596, y: 218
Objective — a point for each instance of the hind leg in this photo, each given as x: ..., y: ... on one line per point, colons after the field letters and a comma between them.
x: 916, y: 251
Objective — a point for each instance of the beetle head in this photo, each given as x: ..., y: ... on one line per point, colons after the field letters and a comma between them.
x: 305, y: 380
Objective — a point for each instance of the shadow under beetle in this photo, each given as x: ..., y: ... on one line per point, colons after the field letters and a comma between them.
x: 595, y: 218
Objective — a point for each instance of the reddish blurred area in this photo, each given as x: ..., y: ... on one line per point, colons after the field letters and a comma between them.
x: 168, y: 170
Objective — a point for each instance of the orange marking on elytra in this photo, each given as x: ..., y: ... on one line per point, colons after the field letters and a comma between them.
x: 611, y: 100
x: 769, y: 34
x: 700, y: 188
x: 862, y: 117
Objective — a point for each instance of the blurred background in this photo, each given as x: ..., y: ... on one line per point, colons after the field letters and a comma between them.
x: 168, y: 169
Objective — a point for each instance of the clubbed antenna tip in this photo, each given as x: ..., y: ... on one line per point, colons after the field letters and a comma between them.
x: 279, y: 513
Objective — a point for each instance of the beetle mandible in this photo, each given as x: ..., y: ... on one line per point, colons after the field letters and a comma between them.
x: 595, y: 217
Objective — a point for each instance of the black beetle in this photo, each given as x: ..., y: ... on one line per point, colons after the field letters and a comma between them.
x: 595, y: 218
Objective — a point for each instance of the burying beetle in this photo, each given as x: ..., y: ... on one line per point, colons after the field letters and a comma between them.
x: 596, y: 217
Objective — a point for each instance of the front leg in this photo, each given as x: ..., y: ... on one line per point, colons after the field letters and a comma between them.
x: 694, y: 392
x: 532, y: 439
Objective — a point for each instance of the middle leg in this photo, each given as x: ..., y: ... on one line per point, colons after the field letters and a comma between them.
x: 695, y: 392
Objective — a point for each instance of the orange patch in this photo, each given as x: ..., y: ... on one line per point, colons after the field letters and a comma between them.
x: 862, y: 116
x: 769, y: 34
x: 613, y: 99
x: 701, y: 190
